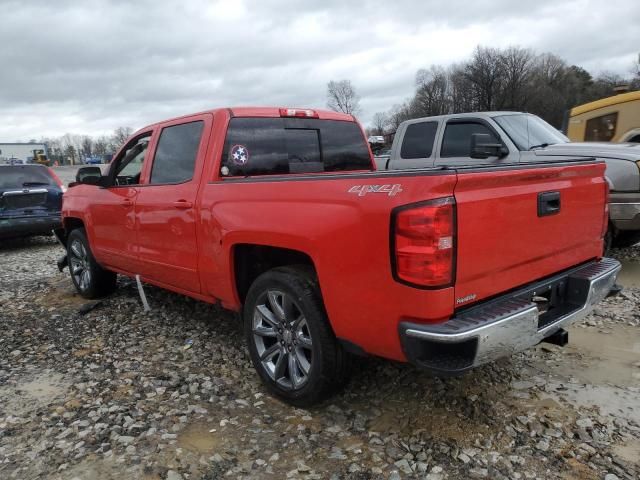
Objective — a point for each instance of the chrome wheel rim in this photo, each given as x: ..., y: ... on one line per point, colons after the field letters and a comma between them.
x: 79, y: 262
x: 282, y: 339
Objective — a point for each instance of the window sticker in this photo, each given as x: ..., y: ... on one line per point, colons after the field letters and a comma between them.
x: 239, y: 155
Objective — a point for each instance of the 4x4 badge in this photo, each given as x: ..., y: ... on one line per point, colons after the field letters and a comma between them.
x: 362, y: 190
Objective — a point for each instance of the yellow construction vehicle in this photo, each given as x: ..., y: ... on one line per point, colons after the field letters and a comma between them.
x: 40, y: 157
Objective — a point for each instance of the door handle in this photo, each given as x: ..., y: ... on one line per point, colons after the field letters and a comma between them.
x: 127, y: 202
x: 182, y: 204
x: 548, y: 203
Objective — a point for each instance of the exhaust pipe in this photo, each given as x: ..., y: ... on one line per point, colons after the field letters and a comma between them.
x: 615, y: 290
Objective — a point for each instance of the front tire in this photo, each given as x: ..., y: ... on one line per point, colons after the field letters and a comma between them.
x: 291, y: 343
x: 90, y: 279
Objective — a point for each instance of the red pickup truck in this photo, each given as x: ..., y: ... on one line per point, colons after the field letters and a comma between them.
x: 280, y: 214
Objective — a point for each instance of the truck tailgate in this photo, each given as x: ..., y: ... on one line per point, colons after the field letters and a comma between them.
x: 522, y: 224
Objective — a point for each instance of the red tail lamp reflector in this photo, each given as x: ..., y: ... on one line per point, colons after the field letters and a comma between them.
x: 424, y: 243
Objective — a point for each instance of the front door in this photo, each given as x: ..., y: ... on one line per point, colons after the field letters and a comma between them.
x: 165, y: 207
x: 112, y: 232
x: 455, y: 148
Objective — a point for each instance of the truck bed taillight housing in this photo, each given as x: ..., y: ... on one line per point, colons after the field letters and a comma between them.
x: 423, y: 243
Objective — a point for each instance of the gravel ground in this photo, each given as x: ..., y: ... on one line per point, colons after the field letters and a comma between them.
x: 106, y: 391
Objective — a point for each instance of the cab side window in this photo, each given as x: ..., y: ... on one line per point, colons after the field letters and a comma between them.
x: 418, y: 140
x: 129, y: 164
x: 176, y: 154
x: 457, y: 138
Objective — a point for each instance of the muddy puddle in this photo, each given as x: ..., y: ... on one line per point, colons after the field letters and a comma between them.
x: 598, y: 369
x: 630, y: 274
x: 31, y: 394
x: 60, y: 294
x: 606, y: 356
x: 201, y: 438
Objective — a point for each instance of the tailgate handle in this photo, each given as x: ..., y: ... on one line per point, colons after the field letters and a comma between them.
x: 548, y: 203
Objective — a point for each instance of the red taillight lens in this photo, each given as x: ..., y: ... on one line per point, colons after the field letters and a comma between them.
x: 298, y: 112
x: 424, y: 243
x: 56, y: 179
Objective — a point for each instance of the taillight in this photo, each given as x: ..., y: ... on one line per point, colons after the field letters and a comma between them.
x: 298, y: 112
x: 57, y: 180
x: 423, y: 238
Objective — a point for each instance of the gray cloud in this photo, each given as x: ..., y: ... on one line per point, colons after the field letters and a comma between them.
x: 88, y: 67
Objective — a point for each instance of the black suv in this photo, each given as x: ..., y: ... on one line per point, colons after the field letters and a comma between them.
x: 30, y: 200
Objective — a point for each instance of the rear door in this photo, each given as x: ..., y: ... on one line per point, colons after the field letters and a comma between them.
x: 455, y: 147
x: 416, y: 147
x: 518, y: 224
x: 165, y: 206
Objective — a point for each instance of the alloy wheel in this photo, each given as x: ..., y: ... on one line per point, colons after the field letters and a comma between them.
x: 79, y: 262
x: 282, y: 339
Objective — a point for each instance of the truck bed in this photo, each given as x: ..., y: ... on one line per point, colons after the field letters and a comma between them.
x: 342, y: 222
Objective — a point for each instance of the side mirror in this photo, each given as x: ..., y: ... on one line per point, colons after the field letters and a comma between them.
x: 90, y: 176
x: 483, y: 146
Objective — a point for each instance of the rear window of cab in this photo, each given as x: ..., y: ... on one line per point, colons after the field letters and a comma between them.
x: 280, y: 146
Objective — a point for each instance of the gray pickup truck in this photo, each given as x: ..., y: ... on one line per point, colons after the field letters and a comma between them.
x: 512, y: 137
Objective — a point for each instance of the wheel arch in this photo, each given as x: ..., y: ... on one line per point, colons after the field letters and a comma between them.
x: 251, y: 260
x: 68, y: 224
x: 632, y: 136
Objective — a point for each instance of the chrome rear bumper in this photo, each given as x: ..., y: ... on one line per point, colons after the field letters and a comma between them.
x: 510, y: 323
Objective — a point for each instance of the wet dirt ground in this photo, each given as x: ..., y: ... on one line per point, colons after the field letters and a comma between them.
x: 114, y: 394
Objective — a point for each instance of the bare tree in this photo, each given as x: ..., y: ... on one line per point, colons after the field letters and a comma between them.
x: 86, y: 146
x: 342, y: 97
x: 120, y: 136
x: 379, y: 122
x: 71, y: 144
x: 517, y: 68
x: 397, y: 115
x: 635, y: 71
x: 485, y: 71
x: 432, y: 94
x: 101, y: 145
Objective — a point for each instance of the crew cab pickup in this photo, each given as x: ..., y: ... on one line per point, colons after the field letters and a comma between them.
x: 499, y: 138
x: 279, y: 214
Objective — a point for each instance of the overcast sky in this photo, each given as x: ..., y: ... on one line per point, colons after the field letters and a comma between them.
x: 91, y: 66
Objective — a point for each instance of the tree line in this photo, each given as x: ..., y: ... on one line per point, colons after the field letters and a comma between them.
x: 73, y: 148
x: 512, y: 78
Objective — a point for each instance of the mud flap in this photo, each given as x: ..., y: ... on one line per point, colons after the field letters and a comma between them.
x: 63, y: 262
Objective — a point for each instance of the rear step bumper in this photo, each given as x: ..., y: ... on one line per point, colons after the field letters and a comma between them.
x: 509, y: 323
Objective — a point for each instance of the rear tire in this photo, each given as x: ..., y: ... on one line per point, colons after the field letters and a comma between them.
x: 290, y: 341
x: 626, y: 238
x: 608, y: 239
x: 90, y: 279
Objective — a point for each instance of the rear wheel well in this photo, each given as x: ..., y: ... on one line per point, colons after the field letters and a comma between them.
x: 250, y: 261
